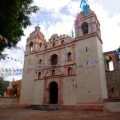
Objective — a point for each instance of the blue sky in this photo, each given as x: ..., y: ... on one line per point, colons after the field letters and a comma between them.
x: 58, y: 17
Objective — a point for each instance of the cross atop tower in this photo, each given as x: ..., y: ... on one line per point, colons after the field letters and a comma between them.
x: 38, y: 22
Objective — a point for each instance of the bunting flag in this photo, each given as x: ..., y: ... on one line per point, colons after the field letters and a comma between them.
x: 5, y: 56
x: 102, y: 59
x: 96, y: 61
x: 67, y: 48
x: 86, y: 64
x: 84, y: 6
x: 118, y: 53
x: 90, y: 63
x: 75, y: 25
x: 107, y: 57
x: 72, y: 34
x: 79, y: 18
x: 65, y: 52
x: 6, y: 41
x: 111, y: 55
x: 10, y: 71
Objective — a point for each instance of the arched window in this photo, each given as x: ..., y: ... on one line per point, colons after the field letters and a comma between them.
x: 69, y: 71
x: 31, y: 46
x: 53, y: 44
x: 69, y: 56
x: 85, y: 27
x: 54, y: 59
x: 40, y: 44
x: 109, y: 64
x: 53, y: 38
x: 62, y: 42
x: 53, y: 72
x: 40, y: 61
x: 45, y: 46
x: 39, y: 75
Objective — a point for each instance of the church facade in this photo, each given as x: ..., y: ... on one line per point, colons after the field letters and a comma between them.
x: 60, y: 82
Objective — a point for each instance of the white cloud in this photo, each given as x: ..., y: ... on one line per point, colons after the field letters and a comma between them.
x: 10, y: 78
x: 109, y: 27
x: 51, y: 5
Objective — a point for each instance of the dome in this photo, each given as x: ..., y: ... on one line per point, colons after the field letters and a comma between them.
x: 37, y: 32
x: 10, y: 86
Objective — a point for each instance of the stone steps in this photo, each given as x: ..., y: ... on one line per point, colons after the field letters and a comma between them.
x: 49, y: 107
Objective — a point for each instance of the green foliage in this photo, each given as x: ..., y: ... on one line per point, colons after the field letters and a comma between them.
x: 117, y: 56
x: 3, y: 86
x: 16, y: 90
x: 14, y: 16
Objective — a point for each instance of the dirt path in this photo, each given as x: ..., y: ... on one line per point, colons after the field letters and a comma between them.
x: 20, y: 113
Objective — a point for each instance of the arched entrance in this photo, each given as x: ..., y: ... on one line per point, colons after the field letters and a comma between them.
x: 53, y: 98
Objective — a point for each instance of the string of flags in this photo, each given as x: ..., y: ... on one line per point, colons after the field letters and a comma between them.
x: 66, y: 50
x: 16, y: 60
x: 7, y: 42
x: 11, y: 71
x: 112, y: 55
x: 45, y: 66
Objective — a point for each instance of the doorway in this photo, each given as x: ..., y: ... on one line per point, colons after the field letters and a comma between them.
x: 53, y: 99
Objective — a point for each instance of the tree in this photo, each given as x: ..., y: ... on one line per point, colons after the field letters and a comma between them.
x: 14, y: 16
x: 16, y: 90
x: 3, y: 86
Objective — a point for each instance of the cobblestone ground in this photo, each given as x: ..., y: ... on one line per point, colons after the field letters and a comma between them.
x: 20, y: 113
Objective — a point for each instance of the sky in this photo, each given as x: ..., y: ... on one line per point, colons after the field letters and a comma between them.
x: 58, y: 17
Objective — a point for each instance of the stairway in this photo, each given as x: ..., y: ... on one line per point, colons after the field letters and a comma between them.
x: 49, y: 107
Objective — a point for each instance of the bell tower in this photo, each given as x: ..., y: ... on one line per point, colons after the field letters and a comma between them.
x: 34, y: 41
x: 91, y: 78
x: 89, y: 24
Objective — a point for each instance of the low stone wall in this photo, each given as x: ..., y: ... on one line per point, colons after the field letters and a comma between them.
x: 112, y: 105
x: 9, y: 100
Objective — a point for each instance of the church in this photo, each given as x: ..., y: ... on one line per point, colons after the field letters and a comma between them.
x: 55, y: 79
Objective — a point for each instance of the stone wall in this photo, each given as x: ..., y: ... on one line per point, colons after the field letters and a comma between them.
x: 9, y: 100
x: 112, y: 76
x: 112, y: 105
x: 113, y: 84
